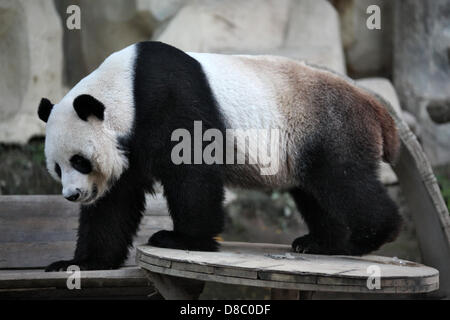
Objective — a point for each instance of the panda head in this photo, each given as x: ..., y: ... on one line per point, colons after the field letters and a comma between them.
x: 81, y: 149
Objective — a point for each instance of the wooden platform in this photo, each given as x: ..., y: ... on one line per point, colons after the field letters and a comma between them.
x: 38, y: 230
x: 276, y: 266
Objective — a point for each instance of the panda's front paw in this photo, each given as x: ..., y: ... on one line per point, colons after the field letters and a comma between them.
x: 313, y: 245
x: 61, y: 265
x: 175, y: 240
x: 308, y: 244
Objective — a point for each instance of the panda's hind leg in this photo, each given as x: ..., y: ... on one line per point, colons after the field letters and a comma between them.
x: 347, y: 210
x: 328, y: 233
x: 375, y: 219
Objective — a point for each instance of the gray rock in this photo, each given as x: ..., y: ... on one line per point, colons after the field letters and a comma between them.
x: 439, y: 111
x: 422, y: 68
x: 368, y: 52
x: 301, y: 29
x: 106, y: 26
x: 31, y: 65
x: 228, y: 25
x: 160, y: 10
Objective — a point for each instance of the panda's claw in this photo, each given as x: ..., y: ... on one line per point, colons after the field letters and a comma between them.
x: 61, y: 265
x: 306, y: 244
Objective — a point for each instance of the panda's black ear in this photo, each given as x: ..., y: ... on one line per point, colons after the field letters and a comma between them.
x: 45, y: 107
x: 86, y: 105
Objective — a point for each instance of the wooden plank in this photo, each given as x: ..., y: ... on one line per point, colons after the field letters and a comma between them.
x: 55, y: 205
x: 192, y: 267
x: 295, y: 263
x: 283, y: 294
x: 153, y: 260
x: 38, y: 230
x: 339, y: 281
x: 35, y: 205
x: 31, y: 227
x: 277, y: 267
x: 126, y: 277
x: 284, y: 277
x: 134, y: 293
x: 38, y: 254
x: 282, y: 285
x: 34, y: 255
x: 236, y: 272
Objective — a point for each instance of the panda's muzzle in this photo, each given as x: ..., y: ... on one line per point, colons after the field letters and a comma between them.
x: 73, y: 196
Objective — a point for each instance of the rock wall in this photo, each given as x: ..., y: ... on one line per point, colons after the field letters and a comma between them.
x: 41, y: 57
x: 301, y: 29
x: 106, y: 26
x: 31, y: 65
x: 368, y: 52
x: 422, y: 68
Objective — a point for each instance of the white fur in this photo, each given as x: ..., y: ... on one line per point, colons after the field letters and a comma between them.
x: 247, y: 100
x: 67, y: 135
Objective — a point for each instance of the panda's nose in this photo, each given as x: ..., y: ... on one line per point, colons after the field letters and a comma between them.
x: 73, y: 197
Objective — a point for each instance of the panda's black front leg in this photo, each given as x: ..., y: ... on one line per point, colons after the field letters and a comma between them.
x: 106, y: 228
x: 194, y: 195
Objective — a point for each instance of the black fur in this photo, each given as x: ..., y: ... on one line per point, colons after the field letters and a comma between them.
x: 180, y: 94
x: 86, y: 105
x: 44, y: 110
x: 171, y: 91
x: 81, y: 164
x: 106, y: 229
x: 346, y: 208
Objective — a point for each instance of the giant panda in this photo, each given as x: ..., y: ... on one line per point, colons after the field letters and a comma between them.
x: 111, y: 138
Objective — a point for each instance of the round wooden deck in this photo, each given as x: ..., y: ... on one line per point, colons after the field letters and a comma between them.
x: 276, y: 266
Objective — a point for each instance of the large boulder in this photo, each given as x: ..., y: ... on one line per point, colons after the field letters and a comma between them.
x: 106, y: 26
x: 161, y: 10
x: 368, y: 52
x: 207, y: 25
x: 30, y: 64
x: 422, y: 68
x: 110, y: 25
x: 300, y: 29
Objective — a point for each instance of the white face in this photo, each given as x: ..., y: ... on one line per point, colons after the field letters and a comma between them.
x: 83, y: 155
x: 86, y: 151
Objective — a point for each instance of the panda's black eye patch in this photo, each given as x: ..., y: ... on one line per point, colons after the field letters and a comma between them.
x: 58, y: 170
x: 81, y: 164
